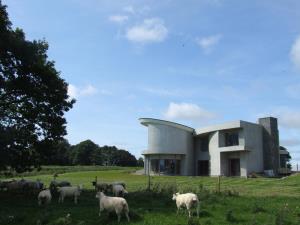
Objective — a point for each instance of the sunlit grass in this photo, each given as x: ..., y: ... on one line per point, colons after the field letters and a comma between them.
x: 242, y: 201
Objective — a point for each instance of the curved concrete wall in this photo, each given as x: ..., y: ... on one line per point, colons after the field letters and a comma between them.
x: 167, y: 141
x: 163, y: 139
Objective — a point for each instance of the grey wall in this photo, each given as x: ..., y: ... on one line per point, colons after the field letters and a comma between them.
x: 254, y: 143
x: 168, y: 140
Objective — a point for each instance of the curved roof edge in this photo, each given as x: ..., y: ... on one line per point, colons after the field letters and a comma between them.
x: 146, y: 121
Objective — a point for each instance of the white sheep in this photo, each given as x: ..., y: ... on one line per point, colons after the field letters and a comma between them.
x: 187, y: 200
x: 118, y: 190
x: 44, y: 196
x: 117, y: 204
x: 69, y: 192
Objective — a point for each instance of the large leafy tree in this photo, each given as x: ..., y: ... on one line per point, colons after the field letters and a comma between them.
x: 84, y: 153
x: 60, y: 154
x: 33, y: 99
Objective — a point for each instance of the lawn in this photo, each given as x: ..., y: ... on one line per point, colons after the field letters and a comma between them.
x: 241, y: 201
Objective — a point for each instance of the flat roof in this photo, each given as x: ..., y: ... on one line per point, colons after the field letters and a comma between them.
x: 146, y: 121
x: 223, y: 126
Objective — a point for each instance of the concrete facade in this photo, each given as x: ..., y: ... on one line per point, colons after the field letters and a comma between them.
x: 236, y: 148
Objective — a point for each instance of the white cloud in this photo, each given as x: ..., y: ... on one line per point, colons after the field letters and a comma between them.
x: 295, y: 53
x: 88, y: 90
x: 118, y: 18
x: 72, y: 91
x: 207, y: 43
x: 75, y: 92
x: 151, y: 30
x: 187, y: 111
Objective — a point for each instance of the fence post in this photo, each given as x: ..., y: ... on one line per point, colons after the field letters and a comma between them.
x: 219, y: 184
x: 148, y: 176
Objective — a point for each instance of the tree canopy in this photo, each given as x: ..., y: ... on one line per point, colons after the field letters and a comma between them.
x: 33, y: 99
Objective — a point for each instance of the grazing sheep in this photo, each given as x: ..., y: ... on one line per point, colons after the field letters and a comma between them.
x: 60, y: 183
x: 15, y: 185
x: 120, y: 183
x: 32, y: 186
x: 44, y: 197
x: 117, y: 204
x: 55, y: 184
x: 118, y: 190
x: 105, y: 187
x: 187, y: 200
x: 69, y: 192
x: 4, y: 184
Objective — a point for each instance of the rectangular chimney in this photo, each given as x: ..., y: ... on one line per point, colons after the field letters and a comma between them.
x: 270, y: 143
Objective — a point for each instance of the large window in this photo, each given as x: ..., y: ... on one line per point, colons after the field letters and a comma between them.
x: 166, y: 166
x: 232, y: 138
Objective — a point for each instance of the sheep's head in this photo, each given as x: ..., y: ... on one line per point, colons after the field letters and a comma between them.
x: 175, y: 195
x: 99, y: 194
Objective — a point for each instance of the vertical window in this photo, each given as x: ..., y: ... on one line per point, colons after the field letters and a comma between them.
x: 231, y: 138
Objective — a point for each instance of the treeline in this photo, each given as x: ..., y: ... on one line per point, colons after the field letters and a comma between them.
x: 89, y: 153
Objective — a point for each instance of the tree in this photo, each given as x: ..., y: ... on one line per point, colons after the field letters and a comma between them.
x: 287, y: 158
x: 112, y: 156
x: 33, y: 99
x: 140, y: 162
x: 84, y: 153
x: 123, y: 158
x: 60, y: 154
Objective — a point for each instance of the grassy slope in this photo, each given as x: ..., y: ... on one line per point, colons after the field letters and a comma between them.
x: 260, y: 201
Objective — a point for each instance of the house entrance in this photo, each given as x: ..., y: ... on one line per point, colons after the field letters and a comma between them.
x: 203, y: 167
x: 234, y: 167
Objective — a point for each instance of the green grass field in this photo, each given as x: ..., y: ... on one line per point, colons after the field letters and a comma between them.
x: 241, y: 201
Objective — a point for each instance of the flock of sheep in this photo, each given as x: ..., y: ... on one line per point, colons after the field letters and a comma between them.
x: 116, y: 203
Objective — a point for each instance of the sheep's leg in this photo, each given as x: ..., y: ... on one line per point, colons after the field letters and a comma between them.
x: 189, y: 213
x: 75, y: 199
x: 198, y: 207
x: 126, y: 213
x: 100, y: 210
x: 119, y: 217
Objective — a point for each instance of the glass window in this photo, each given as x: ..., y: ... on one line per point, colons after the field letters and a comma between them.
x: 166, y: 166
x: 232, y: 138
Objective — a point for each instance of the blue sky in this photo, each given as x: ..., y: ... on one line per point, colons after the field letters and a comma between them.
x: 193, y: 62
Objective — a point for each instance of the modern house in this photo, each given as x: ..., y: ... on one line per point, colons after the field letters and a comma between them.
x: 236, y: 148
